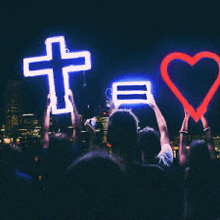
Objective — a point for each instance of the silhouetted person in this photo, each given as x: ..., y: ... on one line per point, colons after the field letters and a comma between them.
x: 155, y: 147
x: 57, y: 154
x: 202, y: 179
x: 93, y: 188
x: 122, y: 135
x: 155, y: 152
x: 147, y: 183
x: 59, y: 151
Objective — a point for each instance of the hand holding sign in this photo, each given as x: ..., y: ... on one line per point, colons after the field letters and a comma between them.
x: 151, y: 101
x: 71, y: 97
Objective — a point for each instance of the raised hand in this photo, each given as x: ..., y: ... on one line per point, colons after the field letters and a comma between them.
x: 88, y: 124
x: 48, y: 100
x: 71, y: 97
x: 113, y: 107
x: 183, y: 154
x: 51, y: 101
x: 151, y: 101
x: 184, y: 128
x: 187, y: 115
x: 204, y: 122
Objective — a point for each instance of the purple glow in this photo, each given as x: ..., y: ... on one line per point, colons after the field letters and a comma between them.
x: 65, y: 54
x: 117, y: 92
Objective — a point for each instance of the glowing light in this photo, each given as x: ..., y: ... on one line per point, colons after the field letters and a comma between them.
x: 129, y: 92
x: 196, y: 114
x: 65, y: 54
x: 27, y: 114
x: 36, y: 159
x: 109, y: 145
x: 7, y: 140
x: 18, y: 141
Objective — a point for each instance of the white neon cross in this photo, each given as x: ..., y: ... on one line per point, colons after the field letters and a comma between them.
x: 117, y: 102
x: 65, y: 54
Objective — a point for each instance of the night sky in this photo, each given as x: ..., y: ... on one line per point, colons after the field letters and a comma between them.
x: 126, y: 39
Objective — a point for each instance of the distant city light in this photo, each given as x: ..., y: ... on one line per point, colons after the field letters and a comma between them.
x: 135, y: 92
x: 196, y: 114
x: 7, y: 140
x: 65, y: 54
x: 27, y: 114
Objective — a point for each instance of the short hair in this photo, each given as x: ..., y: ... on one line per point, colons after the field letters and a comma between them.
x: 60, y: 154
x: 91, y: 187
x: 94, y: 157
x: 122, y: 131
x: 199, y: 154
x: 149, y: 142
x: 58, y: 139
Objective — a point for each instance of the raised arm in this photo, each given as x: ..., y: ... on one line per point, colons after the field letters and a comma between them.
x: 113, y: 108
x: 75, y: 119
x: 92, y: 133
x: 183, y: 156
x: 162, y: 125
x: 47, y: 122
x: 208, y: 137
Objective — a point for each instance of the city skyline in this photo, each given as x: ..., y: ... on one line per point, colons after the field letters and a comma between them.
x: 19, y: 126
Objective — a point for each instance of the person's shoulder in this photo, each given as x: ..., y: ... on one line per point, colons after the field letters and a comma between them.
x: 144, y: 177
x: 216, y: 162
x: 155, y: 167
x: 146, y: 171
x: 215, y: 167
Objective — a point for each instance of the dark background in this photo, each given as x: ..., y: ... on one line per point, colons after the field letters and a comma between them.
x: 126, y: 39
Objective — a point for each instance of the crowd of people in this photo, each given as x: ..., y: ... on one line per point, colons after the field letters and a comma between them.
x: 57, y: 179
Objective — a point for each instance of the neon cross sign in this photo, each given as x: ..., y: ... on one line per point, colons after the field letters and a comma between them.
x: 143, y: 88
x: 65, y: 55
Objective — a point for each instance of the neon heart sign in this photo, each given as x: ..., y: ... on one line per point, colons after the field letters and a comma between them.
x: 196, y: 114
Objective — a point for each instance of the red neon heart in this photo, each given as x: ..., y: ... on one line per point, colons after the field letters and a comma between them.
x: 196, y: 115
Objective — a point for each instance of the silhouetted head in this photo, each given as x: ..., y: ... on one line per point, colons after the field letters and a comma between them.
x: 122, y: 132
x: 149, y: 142
x: 94, y: 164
x: 93, y: 187
x: 58, y: 139
x: 199, y: 155
x: 60, y: 153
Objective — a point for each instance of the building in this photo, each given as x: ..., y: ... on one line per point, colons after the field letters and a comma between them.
x: 13, y: 96
x: 217, y: 145
x: 30, y: 126
x: 102, y: 118
x: 17, y: 124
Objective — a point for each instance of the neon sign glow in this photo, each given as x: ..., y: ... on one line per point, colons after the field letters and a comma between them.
x: 117, y: 92
x: 196, y: 114
x: 65, y: 54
